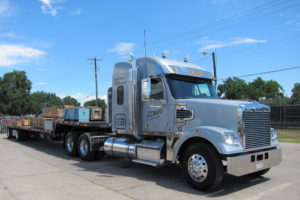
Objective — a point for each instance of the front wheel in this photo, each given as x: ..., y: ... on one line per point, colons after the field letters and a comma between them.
x: 202, y: 167
x: 84, y: 148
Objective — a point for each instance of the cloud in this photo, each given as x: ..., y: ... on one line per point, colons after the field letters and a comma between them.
x: 220, y: 44
x: 5, y: 8
x: 48, y: 7
x: 76, y: 12
x: 15, y: 54
x: 7, y: 35
x: 122, y: 48
x: 39, y: 84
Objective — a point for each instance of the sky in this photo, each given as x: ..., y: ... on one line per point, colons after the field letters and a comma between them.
x: 52, y: 40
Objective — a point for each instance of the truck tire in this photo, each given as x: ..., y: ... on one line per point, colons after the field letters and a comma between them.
x: 202, y: 167
x: 9, y: 133
x: 71, y: 141
x: 84, y: 148
x: 260, y: 173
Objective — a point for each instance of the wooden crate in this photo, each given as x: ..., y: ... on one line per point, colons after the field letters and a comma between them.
x: 25, y: 121
x: 97, y: 113
x: 40, y: 124
x: 37, y: 122
x: 17, y: 122
x: 53, y: 112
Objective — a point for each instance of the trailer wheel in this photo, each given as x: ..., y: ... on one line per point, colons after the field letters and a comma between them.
x: 71, y: 142
x: 9, y: 133
x: 202, y: 167
x: 19, y: 136
x: 260, y: 173
x: 84, y: 148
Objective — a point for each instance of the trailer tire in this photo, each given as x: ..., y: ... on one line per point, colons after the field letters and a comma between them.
x: 19, y: 136
x: 9, y: 133
x: 84, y: 148
x: 71, y: 141
x: 202, y: 167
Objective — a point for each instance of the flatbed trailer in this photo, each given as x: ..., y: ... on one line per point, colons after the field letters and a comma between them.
x: 88, y: 137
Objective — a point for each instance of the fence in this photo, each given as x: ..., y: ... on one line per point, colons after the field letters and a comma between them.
x: 285, y: 116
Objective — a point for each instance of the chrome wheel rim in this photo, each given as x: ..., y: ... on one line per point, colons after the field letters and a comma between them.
x: 83, y: 147
x: 197, y: 168
x: 70, y: 144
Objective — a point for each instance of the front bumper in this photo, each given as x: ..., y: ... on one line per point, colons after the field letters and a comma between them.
x: 253, y: 162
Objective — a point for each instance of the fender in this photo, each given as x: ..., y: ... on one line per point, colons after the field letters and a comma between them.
x: 215, y: 135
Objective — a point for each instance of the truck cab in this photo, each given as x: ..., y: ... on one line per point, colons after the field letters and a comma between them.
x: 167, y: 111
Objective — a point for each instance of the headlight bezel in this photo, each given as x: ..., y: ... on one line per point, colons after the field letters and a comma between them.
x: 232, y: 138
x: 273, y: 136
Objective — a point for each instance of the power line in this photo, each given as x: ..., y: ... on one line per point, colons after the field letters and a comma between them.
x: 252, y: 47
x: 267, y: 72
x: 187, y: 34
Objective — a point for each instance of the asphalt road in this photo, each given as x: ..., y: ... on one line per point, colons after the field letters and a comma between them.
x: 40, y: 169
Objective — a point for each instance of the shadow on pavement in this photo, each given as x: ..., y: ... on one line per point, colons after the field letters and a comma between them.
x: 169, y: 176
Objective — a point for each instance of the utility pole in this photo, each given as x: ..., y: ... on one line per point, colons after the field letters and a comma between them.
x: 214, y: 63
x: 215, y: 67
x: 96, y: 82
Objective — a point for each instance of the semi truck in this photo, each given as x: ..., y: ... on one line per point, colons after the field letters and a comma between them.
x: 163, y: 111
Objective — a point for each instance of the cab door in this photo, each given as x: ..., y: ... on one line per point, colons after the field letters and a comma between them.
x: 155, y: 110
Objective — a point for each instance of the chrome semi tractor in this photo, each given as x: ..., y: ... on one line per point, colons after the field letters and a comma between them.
x: 163, y: 111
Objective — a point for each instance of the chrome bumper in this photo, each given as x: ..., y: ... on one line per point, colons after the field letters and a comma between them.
x: 253, y: 162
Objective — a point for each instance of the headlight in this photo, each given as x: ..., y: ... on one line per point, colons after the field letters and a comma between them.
x: 274, y: 136
x: 232, y: 138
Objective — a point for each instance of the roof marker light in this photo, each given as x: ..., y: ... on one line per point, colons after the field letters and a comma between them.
x: 191, y: 72
x: 211, y: 75
x: 200, y: 73
x: 174, y: 69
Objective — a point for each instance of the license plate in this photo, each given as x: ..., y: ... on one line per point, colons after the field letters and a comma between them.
x: 259, y: 164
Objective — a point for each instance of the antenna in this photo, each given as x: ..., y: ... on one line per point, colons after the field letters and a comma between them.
x: 188, y: 57
x: 165, y: 53
x: 145, y: 43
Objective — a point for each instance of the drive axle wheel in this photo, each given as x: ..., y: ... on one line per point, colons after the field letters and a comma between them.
x: 71, y: 142
x: 84, y: 147
x: 202, y: 167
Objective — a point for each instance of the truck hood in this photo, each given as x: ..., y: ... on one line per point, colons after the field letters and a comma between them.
x: 217, y: 112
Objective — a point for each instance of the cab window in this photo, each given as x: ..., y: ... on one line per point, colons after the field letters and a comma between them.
x: 157, y: 89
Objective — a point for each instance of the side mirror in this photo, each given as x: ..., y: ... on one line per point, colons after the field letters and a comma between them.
x: 146, y: 88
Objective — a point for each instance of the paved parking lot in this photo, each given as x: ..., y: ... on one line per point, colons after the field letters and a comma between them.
x: 40, y: 169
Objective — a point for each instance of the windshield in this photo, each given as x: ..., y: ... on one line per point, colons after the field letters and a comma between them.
x: 185, y: 87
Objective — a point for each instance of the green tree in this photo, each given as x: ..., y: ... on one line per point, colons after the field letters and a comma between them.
x: 68, y: 100
x: 261, y: 88
x: 42, y: 99
x: 14, y: 91
x: 101, y: 103
x: 233, y: 88
x: 296, y: 94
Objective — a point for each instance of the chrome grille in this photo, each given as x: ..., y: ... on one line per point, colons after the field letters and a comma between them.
x: 256, y: 129
x: 184, y: 114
